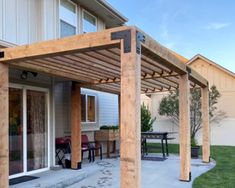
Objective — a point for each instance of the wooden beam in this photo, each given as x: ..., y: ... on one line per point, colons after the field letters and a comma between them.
x: 196, y: 77
x: 130, y: 154
x: 97, y: 40
x: 205, y: 125
x: 4, y: 125
x: 76, y: 126
x: 184, y: 126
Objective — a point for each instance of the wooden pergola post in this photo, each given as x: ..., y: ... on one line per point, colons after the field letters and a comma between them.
x: 76, y: 126
x: 130, y: 151
x: 184, y: 128
x: 4, y: 126
x: 205, y: 125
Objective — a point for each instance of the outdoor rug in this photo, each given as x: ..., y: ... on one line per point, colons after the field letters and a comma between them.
x: 22, y: 179
x: 153, y: 158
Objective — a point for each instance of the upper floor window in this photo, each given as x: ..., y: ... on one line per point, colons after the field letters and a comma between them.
x: 89, y: 22
x: 88, y: 108
x: 68, y: 18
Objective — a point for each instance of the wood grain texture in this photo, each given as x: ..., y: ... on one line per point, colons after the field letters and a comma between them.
x: 130, y: 157
x: 184, y: 127
x: 205, y: 125
x: 4, y: 126
x: 75, y: 125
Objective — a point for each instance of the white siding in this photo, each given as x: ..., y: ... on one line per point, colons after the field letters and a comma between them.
x: 50, y: 15
x: 10, y: 23
x: 62, y: 108
x: 108, y: 109
x: 22, y: 22
x: 1, y: 19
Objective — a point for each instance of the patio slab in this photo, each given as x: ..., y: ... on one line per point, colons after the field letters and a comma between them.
x: 105, y: 173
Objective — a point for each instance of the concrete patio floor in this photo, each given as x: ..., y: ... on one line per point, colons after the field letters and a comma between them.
x: 105, y: 173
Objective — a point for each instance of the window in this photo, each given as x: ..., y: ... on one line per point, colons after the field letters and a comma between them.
x: 88, y: 111
x: 89, y: 22
x: 68, y: 18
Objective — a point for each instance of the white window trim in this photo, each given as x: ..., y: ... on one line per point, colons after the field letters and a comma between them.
x: 76, y: 17
x: 93, y: 95
x: 96, y: 22
x: 47, y: 92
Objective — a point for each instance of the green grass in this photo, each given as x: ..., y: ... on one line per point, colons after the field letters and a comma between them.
x: 222, y: 175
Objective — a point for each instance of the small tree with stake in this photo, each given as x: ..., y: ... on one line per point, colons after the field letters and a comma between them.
x: 146, y: 120
x: 169, y: 106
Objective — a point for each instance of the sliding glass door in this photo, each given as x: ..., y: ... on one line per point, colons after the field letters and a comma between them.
x: 28, y: 130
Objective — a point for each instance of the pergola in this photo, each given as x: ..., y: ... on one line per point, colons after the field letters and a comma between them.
x: 123, y: 61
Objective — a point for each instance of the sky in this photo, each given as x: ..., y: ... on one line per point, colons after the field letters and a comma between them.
x: 188, y: 27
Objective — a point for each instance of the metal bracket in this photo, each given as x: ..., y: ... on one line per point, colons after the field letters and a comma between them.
x: 2, y: 54
x: 139, y: 38
x: 190, y: 178
x: 126, y: 36
x: 188, y: 69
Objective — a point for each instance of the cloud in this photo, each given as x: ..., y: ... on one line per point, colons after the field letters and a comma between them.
x: 217, y: 25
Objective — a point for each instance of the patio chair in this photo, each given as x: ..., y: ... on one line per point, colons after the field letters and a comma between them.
x: 91, y: 147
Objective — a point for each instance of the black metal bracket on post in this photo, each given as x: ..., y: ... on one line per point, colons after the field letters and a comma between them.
x: 190, y: 178
x: 189, y: 70
x: 139, y: 38
x: 126, y: 36
x: 2, y: 54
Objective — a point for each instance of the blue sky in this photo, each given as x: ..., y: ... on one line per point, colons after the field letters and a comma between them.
x: 188, y: 27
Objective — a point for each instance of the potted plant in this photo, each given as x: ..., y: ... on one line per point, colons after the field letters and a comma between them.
x: 194, y: 148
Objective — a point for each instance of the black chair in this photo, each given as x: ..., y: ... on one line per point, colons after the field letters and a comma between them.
x: 91, y: 147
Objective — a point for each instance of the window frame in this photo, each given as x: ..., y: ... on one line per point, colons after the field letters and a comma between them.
x: 96, y: 104
x: 76, y: 18
x: 96, y: 21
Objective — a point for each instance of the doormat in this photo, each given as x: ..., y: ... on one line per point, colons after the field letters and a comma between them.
x: 22, y: 179
x: 154, y: 158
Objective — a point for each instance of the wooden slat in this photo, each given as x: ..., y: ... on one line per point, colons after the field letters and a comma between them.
x: 97, y: 63
x: 130, y: 157
x: 84, y: 67
x: 205, y: 125
x: 75, y: 126
x: 184, y: 126
x: 63, y: 69
x: 53, y: 64
x: 149, y: 61
x: 52, y: 72
x: 4, y: 125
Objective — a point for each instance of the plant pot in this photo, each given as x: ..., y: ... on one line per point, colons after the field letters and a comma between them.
x: 107, y: 135
x: 195, y: 151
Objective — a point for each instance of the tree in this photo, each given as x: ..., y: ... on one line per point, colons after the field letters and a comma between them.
x: 146, y: 120
x: 169, y: 106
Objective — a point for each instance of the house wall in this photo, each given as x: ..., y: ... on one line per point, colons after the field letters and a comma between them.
x: 28, y: 21
x: 222, y: 133
x: 106, y: 110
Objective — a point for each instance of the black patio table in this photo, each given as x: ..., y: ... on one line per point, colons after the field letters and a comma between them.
x: 155, y: 135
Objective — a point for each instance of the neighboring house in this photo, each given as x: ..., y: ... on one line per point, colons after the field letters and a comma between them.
x: 29, y: 21
x: 224, y: 80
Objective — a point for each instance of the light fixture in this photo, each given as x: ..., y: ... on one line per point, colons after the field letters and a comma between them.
x: 24, y: 74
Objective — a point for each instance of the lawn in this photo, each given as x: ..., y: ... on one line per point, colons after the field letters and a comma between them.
x: 222, y: 176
